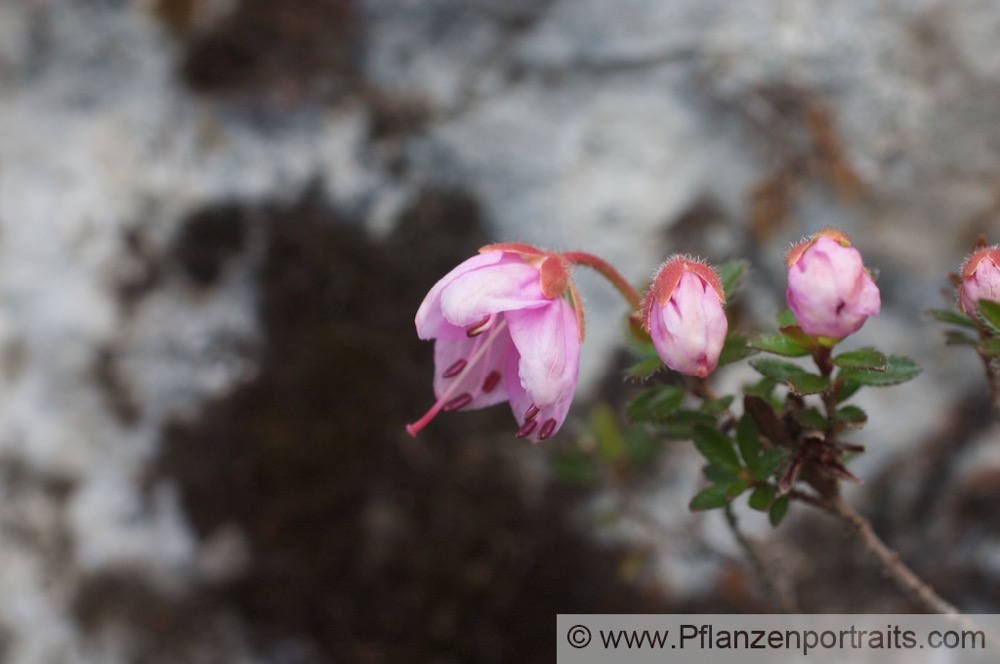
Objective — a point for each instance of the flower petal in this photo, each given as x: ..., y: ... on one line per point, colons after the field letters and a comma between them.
x: 690, y: 329
x: 430, y: 322
x: 548, y: 342
x: 545, y: 421
x: 474, y: 375
x: 508, y: 285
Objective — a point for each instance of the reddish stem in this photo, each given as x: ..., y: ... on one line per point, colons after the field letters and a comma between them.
x: 609, y: 273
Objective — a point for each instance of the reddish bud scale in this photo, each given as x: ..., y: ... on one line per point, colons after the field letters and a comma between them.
x: 795, y: 253
x: 669, y: 275
x: 980, y: 279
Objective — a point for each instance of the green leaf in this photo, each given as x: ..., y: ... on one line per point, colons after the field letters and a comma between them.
x: 680, y: 425
x: 812, y: 419
x: 644, y: 368
x: 769, y: 462
x: 779, y: 344
x: 852, y: 416
x: 716, y: 447
x: 898, y: 369
x: 710, y: 497
x: 735, y: 349
x: 748, y: 442
x: 656, y: 403
x: 847, y: 390
x: 990, y: 347
x: 778, y: 510
x: 762, y: 497
x: 734, y: 489
x: 718, y: 474
x: 731, y: 274
x: 953, y: 317
x: 786, y: 318
x: 807, y: 383
x: 795, y: 333
x: 762, y: 388
x: 778, y: 370
x: 863, y: 358
x: 989, y: 313
x: 717, y: 406
x: 959, y: 338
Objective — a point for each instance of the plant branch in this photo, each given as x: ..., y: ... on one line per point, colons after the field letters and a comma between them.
x: 778, y: 596
x: 608, y: 272
x: 892, y: 566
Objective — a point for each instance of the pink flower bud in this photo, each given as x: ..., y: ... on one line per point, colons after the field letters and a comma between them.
x: 683, y: 314
x: 504, y: 331
x: 829, y: 290
x: 980, y: 279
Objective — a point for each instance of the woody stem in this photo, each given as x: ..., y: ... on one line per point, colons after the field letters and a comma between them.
x: 891, y: 564
x: 608, y: 272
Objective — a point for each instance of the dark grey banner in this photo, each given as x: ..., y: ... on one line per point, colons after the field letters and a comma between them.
x: 765, y: 639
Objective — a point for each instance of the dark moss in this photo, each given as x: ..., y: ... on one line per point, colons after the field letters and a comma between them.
x: 376, y: 547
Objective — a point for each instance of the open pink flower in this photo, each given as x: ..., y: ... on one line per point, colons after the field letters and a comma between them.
x: 829, y: 290
x: 683, y: 314
x: 504, y: 331
x: 980, y: 279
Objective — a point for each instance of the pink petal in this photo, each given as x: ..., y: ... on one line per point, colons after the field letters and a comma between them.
x: 548, y: 342
x: 508, y: 285
x: 473, y: 380
x: 429, y: 319
x: 546, y: 420
x: 689, y: 331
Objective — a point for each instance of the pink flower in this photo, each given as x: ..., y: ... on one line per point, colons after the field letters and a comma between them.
x: 504, y: 331
x: 683, y: 314
x: 980, y: 279
x: 829, y: 289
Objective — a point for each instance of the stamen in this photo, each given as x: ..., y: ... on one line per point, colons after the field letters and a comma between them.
x: 445, y: 400
x: 479, y: 326
x: 492, y: 380
x: 547, y: 429
x: 526, y: 429
x: 531, y: 413
x: 460, y: 401
x: 454, y: 369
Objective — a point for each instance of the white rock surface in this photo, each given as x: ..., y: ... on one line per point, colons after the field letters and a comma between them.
x: 591, y: 125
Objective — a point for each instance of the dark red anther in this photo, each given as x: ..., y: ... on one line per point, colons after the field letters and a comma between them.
x: 460, y: 401
x: 531, y: 413
x: 547, y: 429
x: 491, y: 382
x: 479, y: 326
x: 526, y: 429
x: 454, y: 369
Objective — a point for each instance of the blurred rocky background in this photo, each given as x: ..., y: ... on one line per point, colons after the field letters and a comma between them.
x: 217, y: 218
